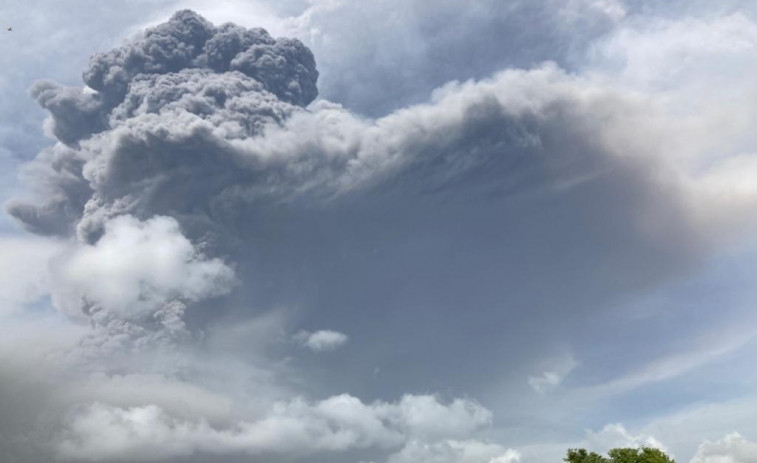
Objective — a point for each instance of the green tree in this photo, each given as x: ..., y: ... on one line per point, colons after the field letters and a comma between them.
x: 619, y: 455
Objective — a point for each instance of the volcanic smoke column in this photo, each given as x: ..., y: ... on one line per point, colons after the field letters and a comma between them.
x: 145, y: 168
x: 152, y: 133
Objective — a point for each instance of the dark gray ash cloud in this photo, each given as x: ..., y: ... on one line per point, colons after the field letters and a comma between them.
x: 284, y: 67
x: 235, y: 79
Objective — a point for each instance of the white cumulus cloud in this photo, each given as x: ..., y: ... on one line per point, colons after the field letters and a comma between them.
x: 320, y: 341
x: 733, y: 448
x: 138, y: 266
x: 616, y: 435
x: 101, y: 432
x: 454, y: 451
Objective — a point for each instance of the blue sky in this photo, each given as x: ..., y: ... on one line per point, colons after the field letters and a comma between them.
x: 498, y: 231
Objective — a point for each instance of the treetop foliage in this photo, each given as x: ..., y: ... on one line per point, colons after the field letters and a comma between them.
x: 619, y: 455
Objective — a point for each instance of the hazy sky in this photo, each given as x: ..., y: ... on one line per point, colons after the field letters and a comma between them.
x: 397, y: 231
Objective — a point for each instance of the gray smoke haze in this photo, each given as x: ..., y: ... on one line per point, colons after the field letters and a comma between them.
x: 213, y: 219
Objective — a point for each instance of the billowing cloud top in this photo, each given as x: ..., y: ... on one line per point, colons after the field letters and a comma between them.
x: 285, y: 67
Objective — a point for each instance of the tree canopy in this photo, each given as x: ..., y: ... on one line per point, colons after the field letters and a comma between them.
x: 619, y: 455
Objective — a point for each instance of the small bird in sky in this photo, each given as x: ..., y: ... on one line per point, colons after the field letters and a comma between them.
x: 10, y: 29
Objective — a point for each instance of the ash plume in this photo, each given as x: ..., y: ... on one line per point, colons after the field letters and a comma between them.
x: 173, y: 98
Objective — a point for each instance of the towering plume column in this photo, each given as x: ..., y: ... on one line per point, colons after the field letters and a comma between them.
x: 142, y: 167
x: 151, y: 131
